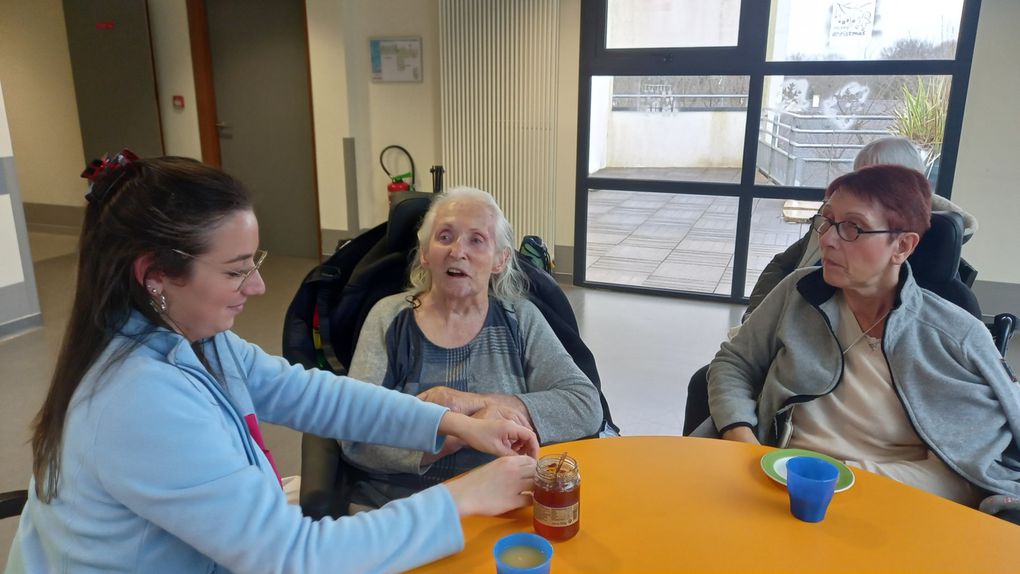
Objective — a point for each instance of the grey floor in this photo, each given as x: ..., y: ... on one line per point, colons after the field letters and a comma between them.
x: 646, y: 348
x: 679, y: 242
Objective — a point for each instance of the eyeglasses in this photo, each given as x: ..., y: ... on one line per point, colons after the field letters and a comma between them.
x: 240, y: 276
x: 847, y: 230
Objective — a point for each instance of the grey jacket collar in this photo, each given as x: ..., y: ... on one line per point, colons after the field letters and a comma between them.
x: 816, y: 291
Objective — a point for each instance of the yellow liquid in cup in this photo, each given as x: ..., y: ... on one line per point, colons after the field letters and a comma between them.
x: 522, y: 557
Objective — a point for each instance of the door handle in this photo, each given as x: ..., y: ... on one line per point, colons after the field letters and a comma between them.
x: 222, y: 125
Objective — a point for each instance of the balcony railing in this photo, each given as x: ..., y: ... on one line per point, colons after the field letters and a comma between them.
x: 796, y: 149
x: 793, y: 148
x: 668, y: 103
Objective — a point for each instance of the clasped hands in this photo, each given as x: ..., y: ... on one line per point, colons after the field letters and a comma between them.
x: 499, y: 424
x: 492, y: 424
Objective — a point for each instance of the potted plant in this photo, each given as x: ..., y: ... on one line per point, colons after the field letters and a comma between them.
x: 921, y: 118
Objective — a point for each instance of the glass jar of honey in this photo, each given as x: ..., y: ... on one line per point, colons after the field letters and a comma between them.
x: 557, y: 508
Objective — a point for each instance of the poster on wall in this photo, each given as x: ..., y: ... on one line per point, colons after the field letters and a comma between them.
x: 396, y: 59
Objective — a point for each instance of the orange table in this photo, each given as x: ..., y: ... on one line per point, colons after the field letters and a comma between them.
x: 672, y: 504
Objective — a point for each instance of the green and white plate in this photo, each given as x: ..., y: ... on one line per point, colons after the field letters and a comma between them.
x: 774, y: 465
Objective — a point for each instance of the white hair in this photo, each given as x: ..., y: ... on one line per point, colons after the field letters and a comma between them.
x: 890, y: 151
x: 509, y: 283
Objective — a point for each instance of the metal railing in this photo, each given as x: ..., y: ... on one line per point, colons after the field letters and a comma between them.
x: 668, y: 103
x: 795, y: 149
x: 792, y: 152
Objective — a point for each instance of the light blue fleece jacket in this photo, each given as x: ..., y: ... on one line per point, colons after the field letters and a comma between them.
x: 160, y: 474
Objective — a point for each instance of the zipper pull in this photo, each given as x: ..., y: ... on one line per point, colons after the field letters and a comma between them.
x: 788, y: 430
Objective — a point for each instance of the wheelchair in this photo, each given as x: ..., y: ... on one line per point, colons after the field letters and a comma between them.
x: 324, y: 320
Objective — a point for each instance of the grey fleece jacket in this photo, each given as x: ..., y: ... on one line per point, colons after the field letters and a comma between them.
x: 954, y: 386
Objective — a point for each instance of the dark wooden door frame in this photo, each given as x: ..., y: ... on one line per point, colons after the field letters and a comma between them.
x: 205, y: 94
x: 205, y: 98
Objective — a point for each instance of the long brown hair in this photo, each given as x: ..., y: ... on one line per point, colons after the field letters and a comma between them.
x: 149, y: 206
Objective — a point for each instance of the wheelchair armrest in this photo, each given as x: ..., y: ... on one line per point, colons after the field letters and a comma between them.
x: 320, y: 459
x: 1002, y: 328
x: 12, y: 502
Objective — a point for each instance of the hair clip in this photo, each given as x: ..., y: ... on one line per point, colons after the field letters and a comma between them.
x: 104, y: 174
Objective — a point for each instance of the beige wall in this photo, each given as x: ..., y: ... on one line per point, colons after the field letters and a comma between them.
x: 405, y: 114
x: 171, y: 52
x: 327, y: 56
x: 42, y: 113
x: 986, y: 175
x: 566, y: 130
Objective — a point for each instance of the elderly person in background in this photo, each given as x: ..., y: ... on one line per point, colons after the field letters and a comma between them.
x: 806, y: 252
x: 465, y: 337
x: 856, y: 361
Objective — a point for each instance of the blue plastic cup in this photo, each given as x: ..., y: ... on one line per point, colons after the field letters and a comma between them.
x: 530, y: 543
x: 811, y: 483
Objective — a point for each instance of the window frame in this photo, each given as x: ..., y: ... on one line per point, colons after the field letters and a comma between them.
x: 747, y: 58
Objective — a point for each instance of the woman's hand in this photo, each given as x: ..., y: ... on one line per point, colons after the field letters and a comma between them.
x: 457, y: 401
x: 741, y: 434
x: 503, y: 413
x: 498, y: 437
x: 494, y: 488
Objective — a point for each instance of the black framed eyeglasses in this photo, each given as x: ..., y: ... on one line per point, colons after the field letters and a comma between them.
x: 240, y: 276
x: 847, y: 230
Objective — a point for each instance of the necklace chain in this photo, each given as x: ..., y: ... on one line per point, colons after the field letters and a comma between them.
x: 865, y: 332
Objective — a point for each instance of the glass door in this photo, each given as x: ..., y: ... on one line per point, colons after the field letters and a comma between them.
x: 708, y: 129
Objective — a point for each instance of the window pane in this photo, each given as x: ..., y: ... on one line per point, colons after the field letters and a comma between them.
x: 678, y: 128
x: 813, y: 126
x: 812, y: 30
x: 775, y: 225
x: 672, y: 23
x: 664, y: 241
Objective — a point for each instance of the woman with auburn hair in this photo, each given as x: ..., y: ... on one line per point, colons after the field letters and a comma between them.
x: 854, y: 360
x: 805, y: 252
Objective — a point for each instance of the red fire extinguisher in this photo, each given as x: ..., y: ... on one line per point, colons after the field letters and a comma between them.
x: 397, y: 182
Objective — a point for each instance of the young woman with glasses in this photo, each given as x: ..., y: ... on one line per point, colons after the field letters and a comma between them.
x: 147, y: 454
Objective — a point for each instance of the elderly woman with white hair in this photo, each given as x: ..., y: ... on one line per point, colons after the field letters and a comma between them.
x: 465, y: 336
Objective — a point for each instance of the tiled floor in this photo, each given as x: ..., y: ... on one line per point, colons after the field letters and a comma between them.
x: 679, y: 242
x: 646, y: 349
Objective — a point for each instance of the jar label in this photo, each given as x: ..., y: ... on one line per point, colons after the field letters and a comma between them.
x: 556, y: 517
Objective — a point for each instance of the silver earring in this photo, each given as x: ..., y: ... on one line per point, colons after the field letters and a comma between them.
x: 159, y: 306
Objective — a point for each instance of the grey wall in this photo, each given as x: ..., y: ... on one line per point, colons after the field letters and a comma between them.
x: 114, y: 81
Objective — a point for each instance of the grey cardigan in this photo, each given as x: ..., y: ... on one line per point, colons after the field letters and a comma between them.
x: 955, y: 388
x: 516, y: 353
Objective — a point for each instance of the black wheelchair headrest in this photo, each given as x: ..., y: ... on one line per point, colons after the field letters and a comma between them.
x: 937, y: 257
x: 406, y: 214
